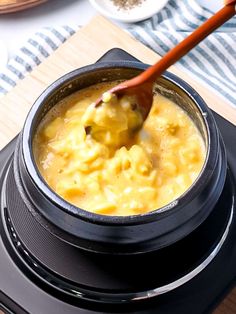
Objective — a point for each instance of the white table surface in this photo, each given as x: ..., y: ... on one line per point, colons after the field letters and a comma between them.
x: 16, y: 28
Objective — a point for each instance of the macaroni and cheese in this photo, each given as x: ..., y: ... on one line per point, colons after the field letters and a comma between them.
x: 93, y: 158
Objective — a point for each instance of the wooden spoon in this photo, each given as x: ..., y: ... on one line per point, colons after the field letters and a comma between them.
x: 141, y: 86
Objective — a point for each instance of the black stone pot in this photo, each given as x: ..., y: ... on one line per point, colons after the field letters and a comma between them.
x: 111, y: 234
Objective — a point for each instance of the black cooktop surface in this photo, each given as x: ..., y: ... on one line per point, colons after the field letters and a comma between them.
x: 34, y: 265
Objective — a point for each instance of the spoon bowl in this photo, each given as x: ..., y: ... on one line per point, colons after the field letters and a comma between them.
x: 143, y: 93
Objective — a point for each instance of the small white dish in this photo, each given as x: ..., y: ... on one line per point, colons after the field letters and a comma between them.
x: 138, y: 13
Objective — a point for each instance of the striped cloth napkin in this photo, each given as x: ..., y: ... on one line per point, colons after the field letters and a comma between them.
x: 213, y: 62
x: 35, y: 50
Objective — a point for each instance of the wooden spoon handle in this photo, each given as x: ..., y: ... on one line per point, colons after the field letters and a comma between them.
x: 185, y: 46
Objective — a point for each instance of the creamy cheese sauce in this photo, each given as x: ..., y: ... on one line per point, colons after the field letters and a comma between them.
x: 110, y: 171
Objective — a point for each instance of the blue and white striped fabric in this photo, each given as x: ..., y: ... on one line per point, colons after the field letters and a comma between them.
x: 213, y: 62
x: 35, y: 50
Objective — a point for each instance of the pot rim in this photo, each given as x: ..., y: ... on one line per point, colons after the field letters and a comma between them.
x: 186, y: 197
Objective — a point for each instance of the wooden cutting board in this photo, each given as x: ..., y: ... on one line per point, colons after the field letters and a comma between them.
x: 83, y: 48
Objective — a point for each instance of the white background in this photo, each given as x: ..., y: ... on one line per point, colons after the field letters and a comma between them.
x: 15, y: 28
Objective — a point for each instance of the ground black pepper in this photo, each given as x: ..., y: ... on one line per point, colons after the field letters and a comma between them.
x: 127, y: 4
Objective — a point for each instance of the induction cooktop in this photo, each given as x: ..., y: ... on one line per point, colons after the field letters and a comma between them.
x: 39, y: 273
